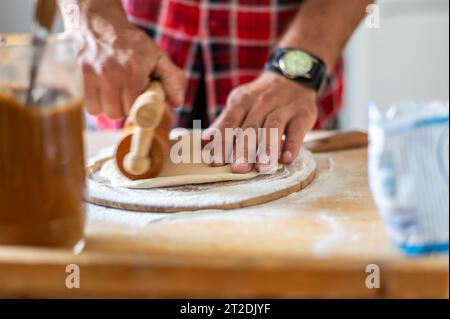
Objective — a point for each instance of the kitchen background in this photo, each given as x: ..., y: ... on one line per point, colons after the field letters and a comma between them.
x: 407, y: 58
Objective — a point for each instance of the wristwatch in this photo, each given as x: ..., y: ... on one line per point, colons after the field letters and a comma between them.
x: 299, y: 66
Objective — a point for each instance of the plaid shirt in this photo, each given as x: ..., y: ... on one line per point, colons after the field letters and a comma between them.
x: 228, y: 41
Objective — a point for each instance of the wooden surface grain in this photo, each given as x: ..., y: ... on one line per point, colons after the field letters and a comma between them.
x: 315, y: 243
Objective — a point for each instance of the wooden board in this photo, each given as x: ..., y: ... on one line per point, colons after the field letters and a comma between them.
x: 316, y: 243
x: 202, y: 196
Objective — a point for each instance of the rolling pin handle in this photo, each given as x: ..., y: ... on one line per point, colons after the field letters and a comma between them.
x: 146, y: 112
x: 138, y: 161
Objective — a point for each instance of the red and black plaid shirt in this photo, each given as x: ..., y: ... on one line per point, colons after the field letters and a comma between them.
x: 226, y: 41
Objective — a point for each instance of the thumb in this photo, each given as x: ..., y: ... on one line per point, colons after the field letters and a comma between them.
x: 173, y: 80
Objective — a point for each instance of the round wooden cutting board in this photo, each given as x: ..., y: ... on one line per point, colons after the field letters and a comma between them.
x: 220, y: 195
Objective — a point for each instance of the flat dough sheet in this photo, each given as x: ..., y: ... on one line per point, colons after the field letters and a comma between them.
x: 176, y: 175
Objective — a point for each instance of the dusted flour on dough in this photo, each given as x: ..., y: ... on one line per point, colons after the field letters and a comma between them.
x: 204, y: 197
x: 178, y: 174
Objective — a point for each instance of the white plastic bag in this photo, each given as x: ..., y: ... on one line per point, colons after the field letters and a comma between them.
x: 409, y: 173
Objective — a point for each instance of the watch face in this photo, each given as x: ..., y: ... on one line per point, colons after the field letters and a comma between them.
x: 296, y: 63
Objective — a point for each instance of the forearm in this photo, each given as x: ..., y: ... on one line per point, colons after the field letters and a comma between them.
x: 323, y: 27
x: 92, y: 14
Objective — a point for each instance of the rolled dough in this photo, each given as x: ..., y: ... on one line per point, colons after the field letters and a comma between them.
x: 176, y: 175
x: 221, y: 195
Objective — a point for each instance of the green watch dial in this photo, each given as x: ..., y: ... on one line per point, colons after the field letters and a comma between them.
x: 296, y: 63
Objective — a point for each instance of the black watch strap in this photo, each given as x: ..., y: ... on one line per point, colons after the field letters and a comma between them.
x: 317, y: 78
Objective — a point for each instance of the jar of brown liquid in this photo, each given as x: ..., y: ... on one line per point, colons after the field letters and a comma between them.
x: 41, y: 146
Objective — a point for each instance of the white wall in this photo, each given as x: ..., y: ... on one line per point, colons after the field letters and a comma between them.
x: 16, y: 16
x: 407, y: 58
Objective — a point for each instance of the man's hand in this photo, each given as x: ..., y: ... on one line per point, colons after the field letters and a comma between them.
x: 321, y: 27
x: 118, y: 60
x: 270, y: 101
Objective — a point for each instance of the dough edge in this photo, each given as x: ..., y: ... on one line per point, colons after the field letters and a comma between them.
x: 110, y: 173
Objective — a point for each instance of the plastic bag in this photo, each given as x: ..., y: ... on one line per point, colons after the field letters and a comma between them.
x: 409, y: 173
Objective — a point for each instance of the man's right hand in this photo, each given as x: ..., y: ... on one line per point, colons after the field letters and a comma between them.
x: 118, y: 59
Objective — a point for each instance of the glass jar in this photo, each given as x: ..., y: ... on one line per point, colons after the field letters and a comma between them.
x: 42, y: 174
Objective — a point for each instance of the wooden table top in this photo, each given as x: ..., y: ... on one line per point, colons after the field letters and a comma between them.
x: 315, y: 243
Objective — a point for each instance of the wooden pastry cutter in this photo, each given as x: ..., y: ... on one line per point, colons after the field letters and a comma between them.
x: 141, y: 153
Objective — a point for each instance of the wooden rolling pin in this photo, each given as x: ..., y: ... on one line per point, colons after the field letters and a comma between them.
x: 337, y: 141
x: 141, y: 153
